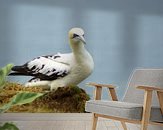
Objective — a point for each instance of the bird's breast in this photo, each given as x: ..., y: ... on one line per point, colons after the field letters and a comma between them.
x: 84, y: 64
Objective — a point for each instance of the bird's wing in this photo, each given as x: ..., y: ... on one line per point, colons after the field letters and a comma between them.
x: 45, y: 67
x: 61, y: 58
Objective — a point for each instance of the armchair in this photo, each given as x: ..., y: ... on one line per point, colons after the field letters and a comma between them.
x: 138, y: 107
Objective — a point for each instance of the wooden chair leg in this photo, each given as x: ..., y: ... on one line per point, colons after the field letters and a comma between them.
x: 146, y: 110
x: 94, y: 122
x: 160, y: 98
x: 124, y: 125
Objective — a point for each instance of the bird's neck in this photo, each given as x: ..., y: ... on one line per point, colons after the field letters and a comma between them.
x: 79, y: 52
x: 78, y: 48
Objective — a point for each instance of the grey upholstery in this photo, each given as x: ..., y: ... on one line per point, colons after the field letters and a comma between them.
x: 132, y: 105
x: 132, y: 111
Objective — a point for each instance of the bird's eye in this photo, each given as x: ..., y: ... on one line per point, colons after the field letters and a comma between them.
x: 75, y: 35
x: 83, y: 35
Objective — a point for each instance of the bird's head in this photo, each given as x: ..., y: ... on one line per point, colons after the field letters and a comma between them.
x: 76, y: 35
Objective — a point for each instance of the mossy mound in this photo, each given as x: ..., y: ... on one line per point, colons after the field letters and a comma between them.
x: 64, y: 99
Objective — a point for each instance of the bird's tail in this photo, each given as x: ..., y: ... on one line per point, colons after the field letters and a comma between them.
x: 18, y: 70
x: 17, y: 74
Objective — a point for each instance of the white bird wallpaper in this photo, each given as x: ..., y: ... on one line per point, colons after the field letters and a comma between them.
x: 54, y: 53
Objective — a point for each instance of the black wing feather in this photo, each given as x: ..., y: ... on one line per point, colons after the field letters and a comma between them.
x: 34, y: 71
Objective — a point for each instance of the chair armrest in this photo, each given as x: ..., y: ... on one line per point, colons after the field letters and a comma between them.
x: 150, y: 88
x: 148, y: 96
x: 148, y: 101
x: 102, y: 85
x: 98, y: 90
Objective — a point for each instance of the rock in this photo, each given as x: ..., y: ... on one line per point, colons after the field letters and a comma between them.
x: 65, y: 99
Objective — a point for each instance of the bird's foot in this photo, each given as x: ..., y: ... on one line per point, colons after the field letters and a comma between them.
x: 54, y: 88
x: 29, y: 84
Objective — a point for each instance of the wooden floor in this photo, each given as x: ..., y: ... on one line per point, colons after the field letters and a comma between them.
x: 65, y: 121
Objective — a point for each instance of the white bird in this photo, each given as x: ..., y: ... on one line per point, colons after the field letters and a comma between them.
x: 60, y: 70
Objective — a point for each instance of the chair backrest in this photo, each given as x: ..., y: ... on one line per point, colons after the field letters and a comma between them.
x: 148, y: 77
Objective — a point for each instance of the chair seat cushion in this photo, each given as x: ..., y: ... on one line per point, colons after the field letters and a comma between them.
x: 131, y: 111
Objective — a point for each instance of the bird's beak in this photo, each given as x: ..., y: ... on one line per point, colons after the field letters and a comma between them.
x: 82, y: 39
